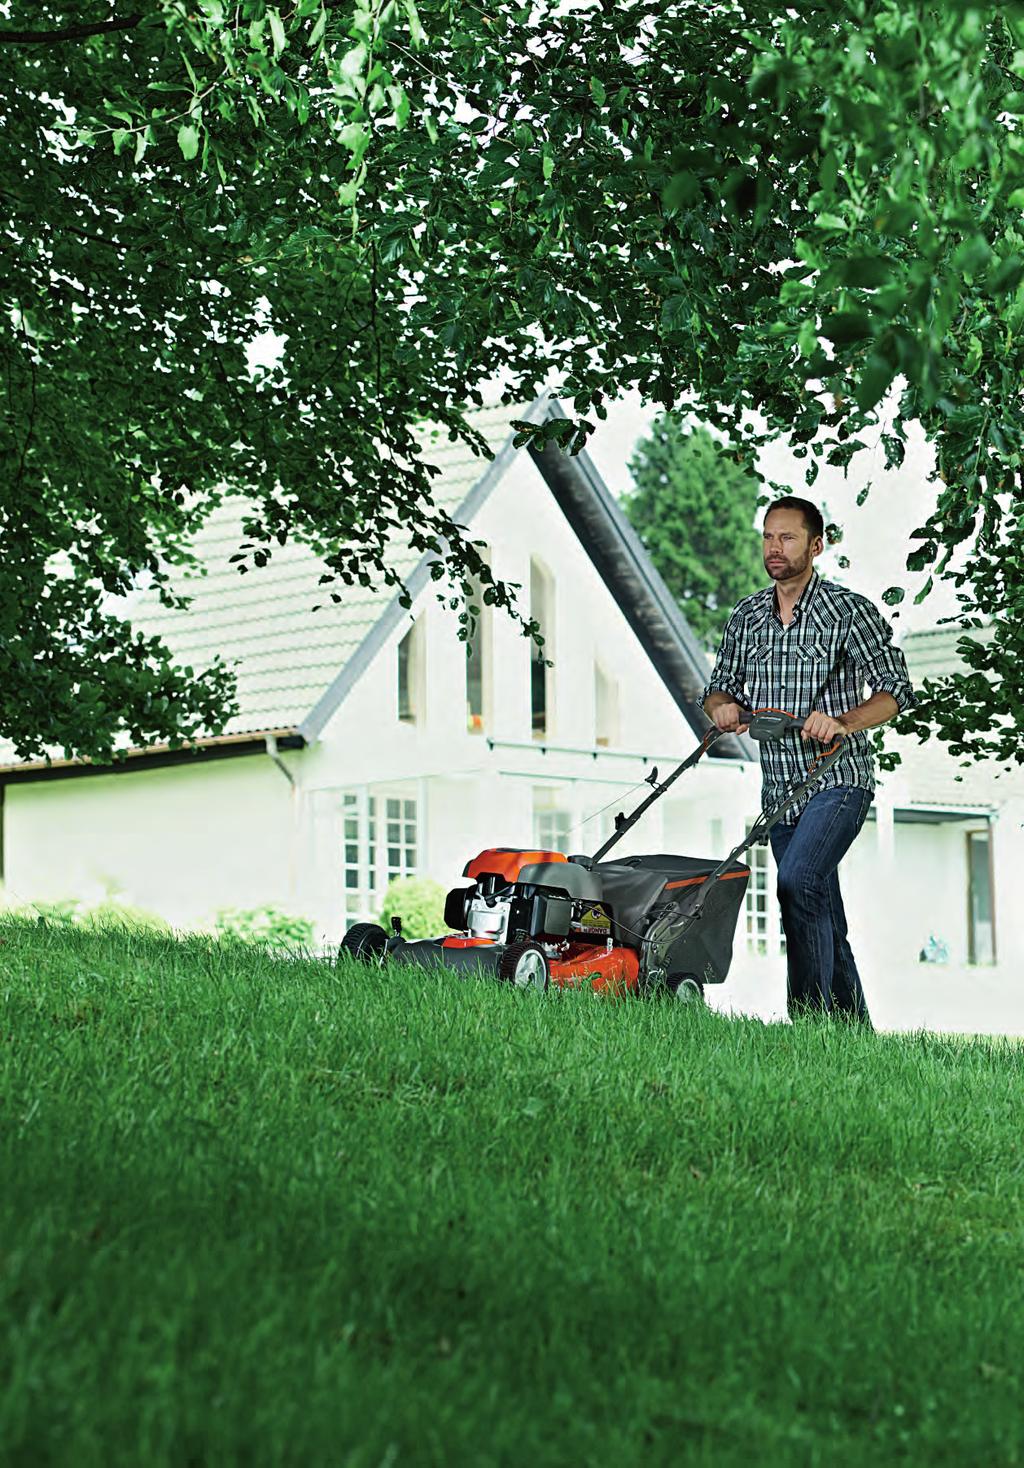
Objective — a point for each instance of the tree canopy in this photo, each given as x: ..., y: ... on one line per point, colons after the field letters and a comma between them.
x: 800, y: 220
x: 693, y: 507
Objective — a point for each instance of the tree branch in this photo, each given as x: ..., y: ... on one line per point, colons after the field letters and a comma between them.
x: 69, y: 32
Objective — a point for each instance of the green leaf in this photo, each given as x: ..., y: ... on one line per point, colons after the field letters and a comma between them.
x: 356, y: 138
x: 807, y: 338
x: 353, y: 63
x: 893, y: 596
x: 597, y: 91
x: 1007, y: 275
x: 401, y: 105
x: 412, y: 16
x: 925, y: 589
x: 844, y: 327
x: 547, y: 165
x: 866, y: 271
x: 188, y: 141
x: 316, y: 35
x: 874, y: 381
x: 278, y: 36
x: 973, y: 255
x: 682, y: 191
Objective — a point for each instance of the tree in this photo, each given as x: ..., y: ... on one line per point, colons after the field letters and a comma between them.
x: 693, y: 507
x: 792, y: 220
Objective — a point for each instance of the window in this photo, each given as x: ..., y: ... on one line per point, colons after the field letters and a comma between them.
x: 981, y: 929
x: 763, y: 919
x: 552, y: 821
x: 380, y: 842
x: 478, y: 662
x: 411, y: 674
x: 542, y: 611
x: 606, y: 708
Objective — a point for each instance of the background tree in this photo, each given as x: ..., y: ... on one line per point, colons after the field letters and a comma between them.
x: 778, y: 215
x: 693, y: 507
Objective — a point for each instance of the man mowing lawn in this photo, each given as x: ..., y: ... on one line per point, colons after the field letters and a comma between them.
x: 808, y: 646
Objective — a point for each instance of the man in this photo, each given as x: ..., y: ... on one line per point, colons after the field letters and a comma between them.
x: 808, y: 646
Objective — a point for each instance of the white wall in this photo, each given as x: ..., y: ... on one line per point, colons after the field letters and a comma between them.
x: 181, y: 841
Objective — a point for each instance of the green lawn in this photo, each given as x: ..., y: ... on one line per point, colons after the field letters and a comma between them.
x: 260, y: 1211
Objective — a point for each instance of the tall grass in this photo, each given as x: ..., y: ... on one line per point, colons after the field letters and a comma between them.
x: 256, y: 1211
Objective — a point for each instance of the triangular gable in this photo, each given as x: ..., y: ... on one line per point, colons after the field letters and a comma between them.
x: 295, y: 666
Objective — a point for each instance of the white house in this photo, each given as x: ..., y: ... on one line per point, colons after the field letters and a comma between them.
x: 371, y: 743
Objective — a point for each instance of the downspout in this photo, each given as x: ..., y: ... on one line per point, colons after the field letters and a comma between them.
x: 275, y: 754
x: 270, y: 741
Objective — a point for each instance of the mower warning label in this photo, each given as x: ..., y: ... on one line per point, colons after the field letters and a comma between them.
x: 592, y: 920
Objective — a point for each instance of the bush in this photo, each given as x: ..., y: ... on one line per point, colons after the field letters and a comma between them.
x: 419, y: 902
x: 264, y: 925
x: 112, y: 914
x: 71, y: 912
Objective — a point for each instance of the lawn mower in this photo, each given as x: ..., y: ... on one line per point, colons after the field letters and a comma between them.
x: 642, y: 924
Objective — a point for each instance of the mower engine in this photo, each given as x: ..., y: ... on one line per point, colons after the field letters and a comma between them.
x: 488, y: 917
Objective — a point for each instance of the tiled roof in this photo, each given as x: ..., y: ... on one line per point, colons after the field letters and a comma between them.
x: 933, y: 653
x: 286, y: 653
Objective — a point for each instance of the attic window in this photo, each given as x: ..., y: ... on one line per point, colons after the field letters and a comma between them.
x: 542, y: 611
x: 606, y: 708
x: 410, y: 674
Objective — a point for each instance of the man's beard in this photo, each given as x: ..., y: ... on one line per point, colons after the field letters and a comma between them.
x: 787, y: 569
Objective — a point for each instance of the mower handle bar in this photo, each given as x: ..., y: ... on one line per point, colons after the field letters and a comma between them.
x: 762, y: 724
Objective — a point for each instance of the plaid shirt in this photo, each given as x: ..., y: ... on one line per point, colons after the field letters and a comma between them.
x: 836, y: 642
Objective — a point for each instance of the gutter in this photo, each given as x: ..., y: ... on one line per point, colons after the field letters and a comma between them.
x: 156, y: 756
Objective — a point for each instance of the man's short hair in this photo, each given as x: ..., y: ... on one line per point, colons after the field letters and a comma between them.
x: 812, y: 515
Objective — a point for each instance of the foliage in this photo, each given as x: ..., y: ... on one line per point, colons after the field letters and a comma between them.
x: 113, y: 914
x: 71, y: 912
x: 795, y: 220
x: 267, y: 925
x: 419, y: 902
x: 693, y: 507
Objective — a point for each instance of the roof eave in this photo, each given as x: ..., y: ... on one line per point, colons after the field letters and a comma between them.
x: 214, y: 746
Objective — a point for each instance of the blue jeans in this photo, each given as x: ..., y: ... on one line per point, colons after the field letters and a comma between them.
x: 822, y: 974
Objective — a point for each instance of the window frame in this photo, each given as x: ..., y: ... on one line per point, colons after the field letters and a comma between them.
x: 367, y: 822
x: 972, y: 936
x: 542, y: 590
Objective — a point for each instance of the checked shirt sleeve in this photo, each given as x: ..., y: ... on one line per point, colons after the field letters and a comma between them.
x: 727, y: 674
x: 878, y: 662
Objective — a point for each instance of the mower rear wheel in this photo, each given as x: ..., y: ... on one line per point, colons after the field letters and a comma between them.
x: 525, y: 966
x: 685, y: 989
x: 366, y: 941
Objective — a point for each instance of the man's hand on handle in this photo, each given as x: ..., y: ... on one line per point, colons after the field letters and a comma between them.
x: 821, y: 726
x: 726, y: 716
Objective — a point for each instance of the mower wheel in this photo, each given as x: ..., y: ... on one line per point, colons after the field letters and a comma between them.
x: 685, y: 989
x: 366, y: 941
x: 525, y: 966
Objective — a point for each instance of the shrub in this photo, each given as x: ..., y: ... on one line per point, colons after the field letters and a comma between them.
x: 113, y: 914
x: 264, y: 925
x: 419, y: 902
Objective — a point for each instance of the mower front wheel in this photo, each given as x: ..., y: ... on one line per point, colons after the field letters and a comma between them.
x: 366, y: 941
x: 685, y: 989
x: 525, y: 966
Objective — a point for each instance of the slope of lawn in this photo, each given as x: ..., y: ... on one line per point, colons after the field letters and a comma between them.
x: 260, y: 1210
